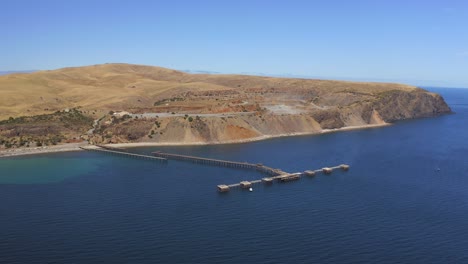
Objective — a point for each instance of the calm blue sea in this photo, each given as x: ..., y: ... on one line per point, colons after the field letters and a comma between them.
x: 404, y: 200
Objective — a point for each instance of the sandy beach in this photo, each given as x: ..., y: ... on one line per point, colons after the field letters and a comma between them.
x: 42, y: 150
x: 76, y: 146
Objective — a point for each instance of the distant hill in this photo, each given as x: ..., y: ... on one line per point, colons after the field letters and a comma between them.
x: 12, y: 72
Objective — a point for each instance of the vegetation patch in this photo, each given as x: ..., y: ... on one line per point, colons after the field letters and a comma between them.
x: 44, y: 130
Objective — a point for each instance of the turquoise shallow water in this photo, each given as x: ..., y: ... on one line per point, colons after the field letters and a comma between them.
x: 403, y: 201
x: 44, y: 169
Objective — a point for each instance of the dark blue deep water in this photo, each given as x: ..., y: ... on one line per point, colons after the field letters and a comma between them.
x: 405, y: 200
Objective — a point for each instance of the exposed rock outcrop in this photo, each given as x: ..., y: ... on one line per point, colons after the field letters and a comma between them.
x: 397, y: 105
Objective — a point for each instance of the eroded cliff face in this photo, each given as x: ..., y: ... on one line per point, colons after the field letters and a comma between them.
x: 208, y: 129
x: 386, y: 108
x: 399, y: 105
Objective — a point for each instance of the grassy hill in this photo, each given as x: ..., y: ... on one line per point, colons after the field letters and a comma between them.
x: 41, y: 106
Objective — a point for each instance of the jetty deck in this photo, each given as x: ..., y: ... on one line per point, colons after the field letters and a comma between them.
x: 112, y: 148
x: 220, y: 163
x: 121, y: 152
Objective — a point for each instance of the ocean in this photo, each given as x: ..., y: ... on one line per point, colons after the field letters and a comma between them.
x: 404, y: 200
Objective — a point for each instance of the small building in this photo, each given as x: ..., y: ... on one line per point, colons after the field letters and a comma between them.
x: 245, y: 184
x: 309, y: 173
x: 223, y: 188
x: 344, y: 167
x: 267, y: 180
x: 327, y: 170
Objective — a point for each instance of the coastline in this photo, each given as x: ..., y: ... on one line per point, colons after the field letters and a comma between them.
x: 76, y: 146
x: 240, y: 141
x: 41, y: 150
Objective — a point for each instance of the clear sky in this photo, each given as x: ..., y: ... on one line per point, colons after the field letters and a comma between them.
x: 356, y: 39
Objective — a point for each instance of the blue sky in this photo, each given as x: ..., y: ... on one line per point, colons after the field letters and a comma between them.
x: 422, y: 41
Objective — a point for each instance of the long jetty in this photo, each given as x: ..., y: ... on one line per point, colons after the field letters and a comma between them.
x: 112, y: 148
x: 275, y: 174
x: 121, y: 152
